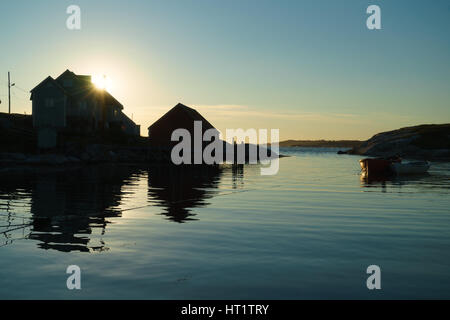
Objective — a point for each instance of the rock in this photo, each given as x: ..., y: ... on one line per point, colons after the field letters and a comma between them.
x: 12, y: 157
x: 47, y: 159
x: 420, y: 142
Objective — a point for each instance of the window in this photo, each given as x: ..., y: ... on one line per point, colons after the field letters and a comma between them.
x: 49, y: 103
x: 82, y: 105
x: 67, y: 83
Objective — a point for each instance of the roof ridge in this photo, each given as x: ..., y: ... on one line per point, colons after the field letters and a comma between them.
x: 189, y: 112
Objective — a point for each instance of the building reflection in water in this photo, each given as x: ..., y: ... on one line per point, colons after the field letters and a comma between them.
x: 61, y: 207
x: 68, y: 210
x: 179, y: 189
x: 66, y: 206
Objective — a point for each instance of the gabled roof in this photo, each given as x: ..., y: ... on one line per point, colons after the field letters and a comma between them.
x: 179, y: 117
x: 64, y: 74
x: 110, y: 100
x: 81, y: 87
x: 181, y: 111
x: 84, y: 79
x: 48, y: 79
x: 45, y: 81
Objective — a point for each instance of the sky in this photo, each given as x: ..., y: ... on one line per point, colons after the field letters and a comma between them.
x: 310, y: 68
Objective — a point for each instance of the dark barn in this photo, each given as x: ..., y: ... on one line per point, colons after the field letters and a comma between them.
x: 180, y: 116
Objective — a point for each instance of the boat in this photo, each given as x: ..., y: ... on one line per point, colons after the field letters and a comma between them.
x: 378, y: 166
x: 417, y: 167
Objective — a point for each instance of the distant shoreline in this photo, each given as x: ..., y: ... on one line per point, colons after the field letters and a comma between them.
x: 321, y: 143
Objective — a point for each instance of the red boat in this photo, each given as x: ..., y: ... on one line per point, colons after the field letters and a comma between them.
x: 377, y: 166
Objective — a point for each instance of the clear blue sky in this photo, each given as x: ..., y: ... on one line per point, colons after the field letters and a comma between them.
x: 310, y: 68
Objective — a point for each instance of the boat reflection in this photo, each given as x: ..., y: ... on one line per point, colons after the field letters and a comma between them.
x: 384, y: 181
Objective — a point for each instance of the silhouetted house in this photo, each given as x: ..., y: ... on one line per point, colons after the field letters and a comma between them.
x: 180, y: 116
x: 72, y: 103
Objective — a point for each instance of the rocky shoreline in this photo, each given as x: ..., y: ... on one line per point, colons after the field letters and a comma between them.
x: 424, y: 142
x: 92, y: 154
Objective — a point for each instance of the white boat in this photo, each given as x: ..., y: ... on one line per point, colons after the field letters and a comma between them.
x: 401, y: 168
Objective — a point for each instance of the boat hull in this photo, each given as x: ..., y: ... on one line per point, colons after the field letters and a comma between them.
x: 375, y: 167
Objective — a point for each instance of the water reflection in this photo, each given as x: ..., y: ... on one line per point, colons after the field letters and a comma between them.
x: 15, y: 189
x: 436, y: 181
x: 179, y: 189
x: 66, y: 206
x: 237, y: 176
x: 63, y: 208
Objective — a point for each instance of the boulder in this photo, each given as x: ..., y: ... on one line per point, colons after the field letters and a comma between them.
x: 430, y: 142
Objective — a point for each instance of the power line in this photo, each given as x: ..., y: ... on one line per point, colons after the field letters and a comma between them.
x: 21, y: 98
x: 15, y: 86
x: 21, y: 89
x: 9, y: 85
x: 21, y: 92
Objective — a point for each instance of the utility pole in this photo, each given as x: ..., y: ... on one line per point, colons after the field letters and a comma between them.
x: 9, y: 93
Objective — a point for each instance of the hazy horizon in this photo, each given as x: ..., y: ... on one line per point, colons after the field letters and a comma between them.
x: 313, y: 73
x: 90, y: 210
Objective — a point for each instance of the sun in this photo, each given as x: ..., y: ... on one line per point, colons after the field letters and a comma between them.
x: 102, y: 82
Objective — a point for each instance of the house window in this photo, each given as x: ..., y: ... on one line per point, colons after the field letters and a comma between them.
x: 82, y: 105
x: 49, y: 103
x: 67, y: 83
x: 115, y: 113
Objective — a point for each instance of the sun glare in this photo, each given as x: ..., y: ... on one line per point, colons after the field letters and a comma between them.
x: 102, y: 82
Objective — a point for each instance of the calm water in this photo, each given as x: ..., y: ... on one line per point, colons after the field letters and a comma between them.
x: 308, y: 232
